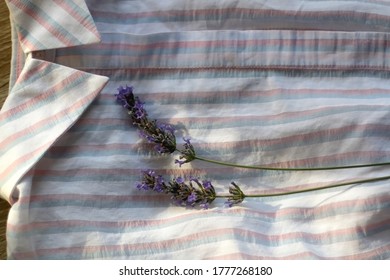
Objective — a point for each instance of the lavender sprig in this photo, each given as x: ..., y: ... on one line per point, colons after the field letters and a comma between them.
x: 197, y: 193
x: 192, y: 193
x: 153, y: 131
x: 163, y: 136
x: 202, y: 193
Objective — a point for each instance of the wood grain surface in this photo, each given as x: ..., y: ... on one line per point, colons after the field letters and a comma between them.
x: 5, y: 57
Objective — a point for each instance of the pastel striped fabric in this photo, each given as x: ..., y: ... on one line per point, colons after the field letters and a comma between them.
x: 37, y: 114
x: 251, y: 82
x: 63, y: 24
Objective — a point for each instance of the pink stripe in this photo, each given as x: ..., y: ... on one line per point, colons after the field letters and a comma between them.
x: 28, y: 11
x: 172, y: 243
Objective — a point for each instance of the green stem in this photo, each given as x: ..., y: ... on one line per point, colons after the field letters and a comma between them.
x: 288, y: 168
x: 313, y: 189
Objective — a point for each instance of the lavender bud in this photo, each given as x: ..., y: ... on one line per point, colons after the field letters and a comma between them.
x: 188, y: 154
x: 154, y: 132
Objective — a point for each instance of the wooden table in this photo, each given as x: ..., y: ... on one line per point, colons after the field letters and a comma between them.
x: 5, y: 57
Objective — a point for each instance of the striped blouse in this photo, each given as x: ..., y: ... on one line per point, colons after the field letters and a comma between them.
x: 287, y: 83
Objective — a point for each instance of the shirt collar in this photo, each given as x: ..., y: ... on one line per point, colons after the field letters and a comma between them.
x: 43, y: 25
x: 46, y: 98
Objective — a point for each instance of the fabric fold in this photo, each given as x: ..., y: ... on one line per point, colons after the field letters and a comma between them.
x: 45, y: 101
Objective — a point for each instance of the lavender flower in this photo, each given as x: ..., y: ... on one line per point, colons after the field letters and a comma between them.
x: 155, y: 132
x: 151, y: 181
x: 237, y: 196
x: 188, y: 154
x: 194, y: 193
x: 125, y: 97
